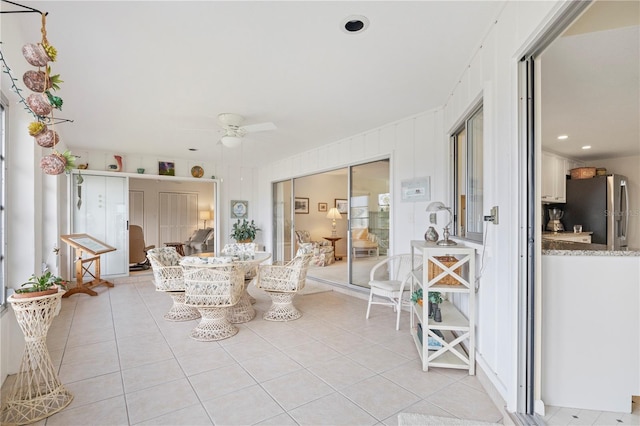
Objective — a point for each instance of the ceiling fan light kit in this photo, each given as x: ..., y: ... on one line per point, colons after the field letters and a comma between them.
x: 231, y: 141
x: 234, y: 131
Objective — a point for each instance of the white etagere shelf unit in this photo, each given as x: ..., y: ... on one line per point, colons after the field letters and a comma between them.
x: 455, y: 327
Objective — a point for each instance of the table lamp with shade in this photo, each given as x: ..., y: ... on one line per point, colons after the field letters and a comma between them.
x: 437, y: 206
x: 333, y: 215
x: 205, y: 215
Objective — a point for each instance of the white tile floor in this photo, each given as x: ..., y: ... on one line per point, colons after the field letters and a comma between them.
x: 125, y: 364
x: 576, y: 416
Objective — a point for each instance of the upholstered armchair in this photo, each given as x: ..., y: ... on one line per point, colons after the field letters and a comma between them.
x: 138, y: 249
x: 322, y: 253
x: 168, y: 277
x: 201, y: 241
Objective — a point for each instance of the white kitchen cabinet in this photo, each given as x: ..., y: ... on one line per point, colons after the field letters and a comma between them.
x: 456, y: 332
x: 554, y: 176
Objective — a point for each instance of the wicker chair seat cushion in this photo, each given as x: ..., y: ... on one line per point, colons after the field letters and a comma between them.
x: 165, y: 256
x: 286, y: 278
x: 213, y: 286
x: 242, y: 250
x: 213, y: 260
x: 167, y: 272
x: 391, y: 285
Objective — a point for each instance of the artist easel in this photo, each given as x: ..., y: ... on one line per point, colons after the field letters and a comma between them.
x: 86, y: 244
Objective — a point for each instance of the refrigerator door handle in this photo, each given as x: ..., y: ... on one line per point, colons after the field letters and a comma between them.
x: 625, y: 211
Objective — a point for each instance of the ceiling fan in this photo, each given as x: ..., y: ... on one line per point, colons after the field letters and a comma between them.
x: 234, y: 130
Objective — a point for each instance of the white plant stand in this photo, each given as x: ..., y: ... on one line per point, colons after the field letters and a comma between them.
x: 37, y: 392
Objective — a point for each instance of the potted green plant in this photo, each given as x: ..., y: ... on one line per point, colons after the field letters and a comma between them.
x: 40, y: 286
x: 245, y: 231
x: 416, y: 296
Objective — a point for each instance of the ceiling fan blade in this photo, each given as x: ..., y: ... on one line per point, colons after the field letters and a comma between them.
x: 259, y: 127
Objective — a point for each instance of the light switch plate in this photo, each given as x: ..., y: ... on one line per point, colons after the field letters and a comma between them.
x: 433, y: 218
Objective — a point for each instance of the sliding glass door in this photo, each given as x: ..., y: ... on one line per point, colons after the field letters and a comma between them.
x: 369, y: 208
x: 344, y: 212
x: 282, y: 229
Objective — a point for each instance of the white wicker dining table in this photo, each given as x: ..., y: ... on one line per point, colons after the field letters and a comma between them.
x: 242, y: 311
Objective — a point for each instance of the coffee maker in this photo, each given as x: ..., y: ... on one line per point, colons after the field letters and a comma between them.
x: 554, y: 224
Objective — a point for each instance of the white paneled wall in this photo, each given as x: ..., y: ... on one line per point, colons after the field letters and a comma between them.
x: 492, y: 76
x: 418, y: 147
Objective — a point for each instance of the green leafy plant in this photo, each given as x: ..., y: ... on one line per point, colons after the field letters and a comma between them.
x: 435, y: 297
x: 55, y: 101
x: 54, y: 80
x: 416, y: 295
x: 244, y: 230
x: 41, y: 283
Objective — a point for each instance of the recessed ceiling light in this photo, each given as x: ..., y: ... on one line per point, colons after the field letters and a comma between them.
x: 586, y: 147
x: 355, y: 24
x: 563, y: 137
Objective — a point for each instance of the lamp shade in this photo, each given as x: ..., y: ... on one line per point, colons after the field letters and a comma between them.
x: 204, y: 215
x: 231, y: 141
x: 334, y: 214
x: 435, y: 206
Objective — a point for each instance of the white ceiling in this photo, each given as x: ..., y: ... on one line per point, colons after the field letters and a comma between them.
x: 591, y: 85
x: 151, y: 77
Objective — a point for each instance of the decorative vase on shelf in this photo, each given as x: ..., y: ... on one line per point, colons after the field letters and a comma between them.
x: 437, y: 316
x: 431, y: 234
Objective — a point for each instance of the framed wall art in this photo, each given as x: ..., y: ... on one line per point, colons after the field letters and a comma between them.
x: 166, y: 168
x: 239, y: 209
x: 301, y: 206
x: 322, y: 207
x: 342, y: 205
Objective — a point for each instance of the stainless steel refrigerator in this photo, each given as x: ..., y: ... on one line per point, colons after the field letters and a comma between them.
x: 601, y: 205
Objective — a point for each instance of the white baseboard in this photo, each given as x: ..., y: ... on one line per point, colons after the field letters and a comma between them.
x: 494, y: 394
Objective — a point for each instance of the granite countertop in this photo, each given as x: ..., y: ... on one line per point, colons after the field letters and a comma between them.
x: 568, y: 248
x: 561, y: 233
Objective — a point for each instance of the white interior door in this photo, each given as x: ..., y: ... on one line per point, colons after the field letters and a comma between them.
x: 177, y: 215
x: 136, y: 208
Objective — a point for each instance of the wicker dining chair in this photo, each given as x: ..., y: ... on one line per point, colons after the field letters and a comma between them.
x: 282, y: 283
x: 211, y: 288
x: 168, y: 277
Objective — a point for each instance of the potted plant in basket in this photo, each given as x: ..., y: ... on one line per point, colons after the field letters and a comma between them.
x: 245, y: 231
x: 40, y: 286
